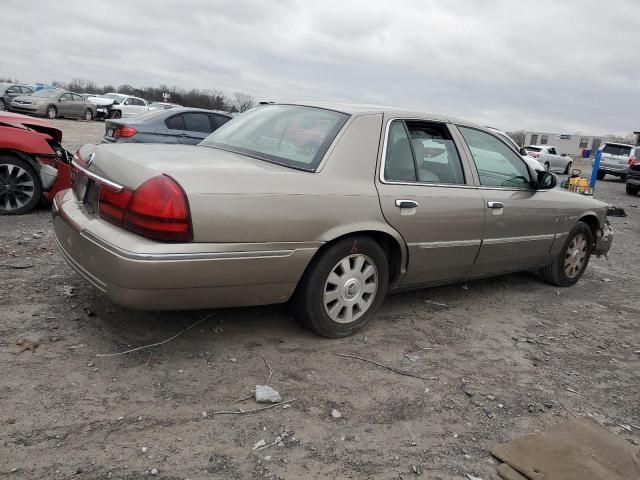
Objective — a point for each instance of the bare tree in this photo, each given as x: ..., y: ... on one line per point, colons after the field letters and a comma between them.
x: 519, y: 137
x: 243, y: 102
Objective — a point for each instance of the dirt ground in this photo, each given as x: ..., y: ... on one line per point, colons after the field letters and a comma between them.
x: 502, y: 357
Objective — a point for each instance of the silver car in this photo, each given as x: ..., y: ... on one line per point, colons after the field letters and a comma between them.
x: 328, y: 206
x: 552, y: 158
x: 54, y: 103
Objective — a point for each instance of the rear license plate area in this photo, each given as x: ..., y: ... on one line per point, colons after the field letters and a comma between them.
x: 110, y: 132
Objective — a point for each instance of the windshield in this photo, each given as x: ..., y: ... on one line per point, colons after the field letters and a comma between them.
x: 289, y: 135
x: 615, y: 149
x: 114, y: 96
x: 46, y: 93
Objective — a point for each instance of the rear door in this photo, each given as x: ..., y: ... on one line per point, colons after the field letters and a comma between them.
x: 197, y: 127
x: 79, y: 105
x: 173, y: 131
x: 520, y: 222
x: 218, y: 120
x: 426, y: 194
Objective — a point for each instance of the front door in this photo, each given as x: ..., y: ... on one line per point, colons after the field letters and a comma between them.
x: 197, y: 127
x: 520, y: 224
x: 426, y: 194
x: 65, y: 105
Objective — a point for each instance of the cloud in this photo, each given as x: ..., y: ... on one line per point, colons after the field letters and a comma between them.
x: 544, y: 65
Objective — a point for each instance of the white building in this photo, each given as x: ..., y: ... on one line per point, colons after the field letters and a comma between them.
x: 573, y: 144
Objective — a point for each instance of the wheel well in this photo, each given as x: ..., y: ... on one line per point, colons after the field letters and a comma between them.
x: 593, y: 223
x: 389, y: 245
x: 22, y: 156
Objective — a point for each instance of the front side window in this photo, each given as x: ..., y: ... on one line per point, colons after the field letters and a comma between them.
x: 551, y: 151
x: 290, y: 135
x: 13, y: 90
x: 66, y: 97
x: 497, y: 164
x: 78, y: 98
x: 26, y: 90
x: 544, y: 139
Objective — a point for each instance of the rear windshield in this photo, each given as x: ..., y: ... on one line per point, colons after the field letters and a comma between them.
x: 533, y: 149
x: 614, y: 149
x: 289, y: 135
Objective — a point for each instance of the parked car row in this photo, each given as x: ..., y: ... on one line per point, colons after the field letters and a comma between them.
x: 328, y: 206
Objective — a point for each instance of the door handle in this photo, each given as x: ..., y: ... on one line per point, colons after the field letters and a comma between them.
x: 495, y: 205
x: 406, y: 204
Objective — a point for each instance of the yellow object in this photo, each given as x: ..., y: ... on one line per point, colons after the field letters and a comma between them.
x: 583, y: 183
x: 573, y: 183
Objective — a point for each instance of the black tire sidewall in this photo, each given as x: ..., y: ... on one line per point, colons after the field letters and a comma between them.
x: 563, y: 279
x: 600, y: 175
x: 37, y: 186
x: 568, y: 169
x: 632, y: 190
x: 309, y: 304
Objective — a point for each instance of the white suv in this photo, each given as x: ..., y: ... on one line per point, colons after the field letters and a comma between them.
x: 615, y: 159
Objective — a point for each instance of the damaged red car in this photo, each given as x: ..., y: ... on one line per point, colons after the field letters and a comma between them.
x: 33, y: 164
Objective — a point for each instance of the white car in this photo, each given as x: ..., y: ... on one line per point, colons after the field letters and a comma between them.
x: 532, y: 162
x: 552, y: 158
x: 126, y: 105
x: 615, y: 159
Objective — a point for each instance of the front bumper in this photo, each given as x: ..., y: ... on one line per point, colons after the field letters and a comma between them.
x: 604, y: 239
x: 24, y: 108
x: 139, y: 273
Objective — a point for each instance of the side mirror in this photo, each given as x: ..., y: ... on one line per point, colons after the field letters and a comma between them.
x: 563, y: 155
x: 546, y: 180
x: 523, y: 151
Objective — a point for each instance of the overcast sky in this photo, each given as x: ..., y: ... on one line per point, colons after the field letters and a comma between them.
x: 563, y: 66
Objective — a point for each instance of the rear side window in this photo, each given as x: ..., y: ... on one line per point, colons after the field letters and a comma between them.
x: 175, y: 123
x: 197, y: 122
x: 613, y: 149
x: 422, y: 152
x: 218, y: 120
x: 497, y: 164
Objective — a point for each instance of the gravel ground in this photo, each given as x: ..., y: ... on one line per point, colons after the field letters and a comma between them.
x: 501, y: 358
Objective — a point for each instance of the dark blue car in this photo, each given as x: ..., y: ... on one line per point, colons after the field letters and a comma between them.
x: 176, y: 125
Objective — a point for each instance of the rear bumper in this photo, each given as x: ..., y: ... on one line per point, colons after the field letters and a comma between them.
x: 139, y: 273
x: 613, y: 168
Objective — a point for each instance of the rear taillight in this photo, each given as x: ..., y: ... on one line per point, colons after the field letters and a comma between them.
x: 633, y: 161
x: 157, y: 209
x: 112, y: 205
x: 124, y: 132
x: 534, y: 154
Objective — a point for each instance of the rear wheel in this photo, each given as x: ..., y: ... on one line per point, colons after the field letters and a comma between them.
x: 52, y: 112
x: 342, y: 289
x: 547, y: 166
x: 573, y: 259
x: 88, y: 115
x: 632, y: 189
x: 20, y: 188
x: 601, y: 174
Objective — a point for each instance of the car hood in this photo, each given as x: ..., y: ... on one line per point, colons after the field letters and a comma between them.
x: 101, y: 101
x: 38, y: 124
x: 199, y: 170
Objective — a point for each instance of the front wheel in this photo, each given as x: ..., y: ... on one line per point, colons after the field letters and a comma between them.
x: 117, y: 114
x: 20, y: 188
x: 88, y: 115
x: 52, y: 112
x: 342, y: 288
x: 568, y: 169
x: 547, y: 166
x: 632, y: 189
x: 572, y: 261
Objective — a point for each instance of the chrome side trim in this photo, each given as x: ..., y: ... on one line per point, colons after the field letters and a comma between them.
x: 447, y: 244
x: 112, y: 185
x: 188, y: 256
x: 526, y: 238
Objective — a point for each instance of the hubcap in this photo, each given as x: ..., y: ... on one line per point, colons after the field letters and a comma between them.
x: 350, y: 288
x: 16, y: 187
x: 575, y: 256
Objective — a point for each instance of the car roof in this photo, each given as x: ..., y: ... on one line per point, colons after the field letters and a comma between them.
x: 363, y: 109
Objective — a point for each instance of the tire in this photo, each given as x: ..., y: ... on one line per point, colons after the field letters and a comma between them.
x: 360, y: 270
x: 572, y: 260
x: 52, y: 112
x: 88, y: 115
x: 3, y: 106
x: 25, y: 189
x: 117, y: 114
x: 601, y: 175
x: 567, y: 170
x: 547, y: 166
x: 632, y: 189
